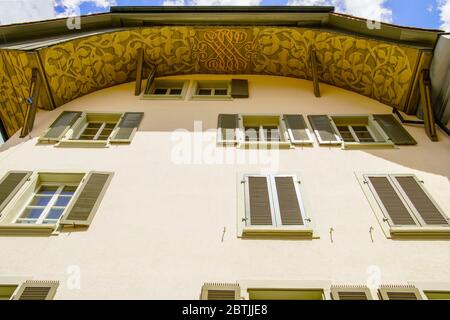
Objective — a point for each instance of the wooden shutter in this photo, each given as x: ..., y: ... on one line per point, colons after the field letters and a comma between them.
x: 63, y: 123
x: 351, y: 293
x: 399, y: 293
x: 37, y: 290
x: 259, y: 201
x: 83, y: 208
x: 391, y: 203
x: 220, y: 291
x: 239, y: 88
x: 150, y: 79
x: 298, y: 131
x: 323, y: 129
x: 127, y: 127
x: 288, y: 201
x: 227, y: 126
x: 10, y: 185
x: 420, y: 200
x: 394, y: 129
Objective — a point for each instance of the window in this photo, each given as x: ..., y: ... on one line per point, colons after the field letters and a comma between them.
x: 285, y: 294
x: 166, y: 89
x: 29, y: 290
x: 404, y: 207
x: 46, y: 202
x: 7, y: 291
x: 272, y: 206
x: 351, y: 293
x: 211, y: 90
x: 399, y: 293
x: 220, y: 291
x: 90, y: 129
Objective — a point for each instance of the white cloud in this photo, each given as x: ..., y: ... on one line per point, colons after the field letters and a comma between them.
x: 369, y: 9
x: 72, y: 7
x: 173, y: 3
x: 444, y: 8
x: 17, y: 11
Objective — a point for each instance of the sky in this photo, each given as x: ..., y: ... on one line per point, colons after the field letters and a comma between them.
x: 433, y: 14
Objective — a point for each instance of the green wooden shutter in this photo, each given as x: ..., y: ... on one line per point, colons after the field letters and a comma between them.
x: 227, y: 126
x: 239, y: 88
x: 220, y: 291
x: 399, y: 293
x: 10, y: 185
x: 420, y: 200
x: 259, y: 201
x: 60, y: 126
x: 82, y: 209
x: 127, y: 127
x: 150, y: 79
x: 37, y: 290
x: 394, y: 129
x: 391, y: 203
x: 323, y: 129
x: 288, y: 201
x: 298, y: 131
x: 350, y: 293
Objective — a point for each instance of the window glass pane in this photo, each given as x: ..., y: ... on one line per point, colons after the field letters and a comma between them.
x: 160, y: 91
x: 54, y: 214
x: 69, y: 190
x: 346, y: 134
x: 40, y: 201
x: 62, y: 201
x: 221, y: 92
x: 175, y: 92
x: 271, y: 133
x: 32, y: 213
x: 92, y: 125
x: 251, y: 133
x: 363, y: 134
x: 47, y: 190
x: 204, y: 92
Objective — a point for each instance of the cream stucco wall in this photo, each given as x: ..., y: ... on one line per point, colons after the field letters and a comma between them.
x: 158, y: 231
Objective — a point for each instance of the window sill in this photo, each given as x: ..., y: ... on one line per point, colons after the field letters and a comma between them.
x: 208, y: 98
x: 257, y: 233
x: 83, y: 143
x: 27, y: 230
x: 162, y: 97
x: 265, y: 145
x: 420, y: 233
x: 374, y: 145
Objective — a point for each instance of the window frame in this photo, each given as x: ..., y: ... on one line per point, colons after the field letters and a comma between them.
x: 213, y: 85
x: 169, y: 84
x: 392, y: 231
x: 277, y: 229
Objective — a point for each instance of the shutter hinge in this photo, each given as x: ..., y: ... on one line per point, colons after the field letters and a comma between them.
x: 242, y: 181
x: 385, y: 220
x: 365, y: 181
x: 244, y: 219
x: 308, y: 219
x: 299, y: 182
x: 421, y: 181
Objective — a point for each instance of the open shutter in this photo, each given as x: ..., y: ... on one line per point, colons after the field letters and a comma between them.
x: 84, y: 206
x: 323, y: 129
x: 150, y: 79
x: 424, y: 206
x: 10, y: 185
x: 227, y: 126
x: 351, y: 293
x: 390, y: 201
x: 297, y: 129
x: 127, y: 127
x: 220, y: 291
x: 288, y: 201
x: 259, y: 201
x: 239, y: 88
x: 399, y: 293
x: 394, y: 129
x: 37, y: 290
x: 60, y: 126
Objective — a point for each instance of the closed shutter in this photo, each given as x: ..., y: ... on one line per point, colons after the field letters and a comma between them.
x: 351, y: 293
x: 10, y: 185
x: 399, y: 293
x: 220, y: 291
x: 239, y: 88
x: 227, y: 126
x: 297, y: 129
x: 288, y: 201
x: 259, y: 201
x: 84, y: 206
x: 323, y: 129
x: 37, y: 290
x: 420, y: 200
x: 63, y: 123
x: 127, y: 127
x: 394, y: 129
x: 391, y: 203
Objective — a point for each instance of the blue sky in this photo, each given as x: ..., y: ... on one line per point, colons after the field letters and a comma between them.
x: 433, y: 14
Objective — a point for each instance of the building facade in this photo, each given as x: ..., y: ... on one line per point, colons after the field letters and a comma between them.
x: 223, y: 185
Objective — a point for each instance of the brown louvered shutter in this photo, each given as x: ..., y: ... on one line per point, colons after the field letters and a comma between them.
x: 60, y: 126
x: 150, y: 79
x: 399, y: 293
x: 420, y: 200
x: 394, y: 129
x: 220, y: 291
x: 83, y: 208
x: 288, y: 201
x: 10, y: 185
x: 239, y: 88
x: 350, y: 293
x: 391, y: 201
x: 298, y: 129
x: 128, y: 125
x: 227, y: 125
x: 37, y: 290
x: 259, y: 201
x: 323, y: 129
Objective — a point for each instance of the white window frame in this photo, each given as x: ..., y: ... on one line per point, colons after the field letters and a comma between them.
x: 210, y: 85
x: 99, y: 131
x: 168, y: 84
x: 284, y: 142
